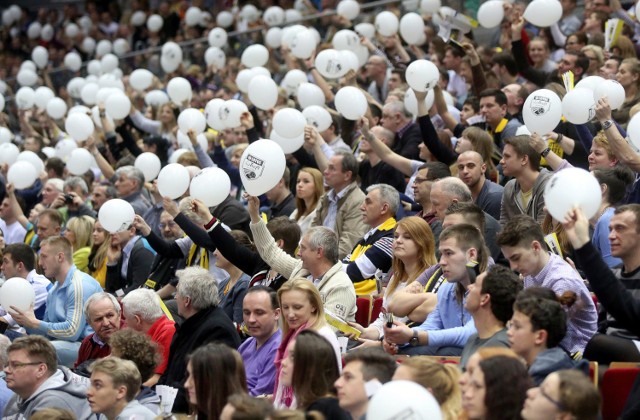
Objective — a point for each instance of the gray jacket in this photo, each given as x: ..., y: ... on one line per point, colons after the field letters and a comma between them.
x: 61, y: 390
x: 511, y: 203
x: 137, y: 410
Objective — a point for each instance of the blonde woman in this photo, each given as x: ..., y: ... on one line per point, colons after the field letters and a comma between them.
x: 79, y: 232
x: 98, y: 256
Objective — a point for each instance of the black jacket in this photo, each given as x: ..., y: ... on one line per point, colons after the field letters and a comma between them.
x: 138, y: 269
x: 207, y: 326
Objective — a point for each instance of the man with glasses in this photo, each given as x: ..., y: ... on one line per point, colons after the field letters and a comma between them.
x: 32, y: 372
x: 426, y: 176
x: 376, y: 70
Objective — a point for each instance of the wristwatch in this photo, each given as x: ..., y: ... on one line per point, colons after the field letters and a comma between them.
x: 414, y: 340
x: 545, y: 152
x: 607, y: 124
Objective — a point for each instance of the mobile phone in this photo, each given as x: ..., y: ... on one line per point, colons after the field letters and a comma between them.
x: 389, y: 319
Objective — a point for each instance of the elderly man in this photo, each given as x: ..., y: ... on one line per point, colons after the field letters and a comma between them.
x: 102, y: 312
x: 64, y: 321
x: 32, y: 372
x: 261, y: 313
x: 48, y: 226
x: 397, y: 118
x: 318, y: 252
x: 143, y: 313
x: 339, y: 209
x: 205, y: 322
x: 128, y: 262
x: 73, y: 202
x: 101, y: 194
x: 129, y: 183
x: 376, y: 71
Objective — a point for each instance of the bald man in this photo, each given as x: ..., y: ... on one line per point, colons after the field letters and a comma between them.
x: 486, y: 194
x: 516, y: 95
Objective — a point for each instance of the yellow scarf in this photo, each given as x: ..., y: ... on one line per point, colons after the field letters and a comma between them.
x: 204, y: 256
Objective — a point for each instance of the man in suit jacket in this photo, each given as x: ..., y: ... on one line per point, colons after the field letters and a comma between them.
x: 129, y: 261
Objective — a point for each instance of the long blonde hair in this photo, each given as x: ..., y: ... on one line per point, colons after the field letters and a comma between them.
x: 316, y: 175
x: 303, y: 285
x: 99, y: 254
x: 420, y: 233
x: 82, y: 228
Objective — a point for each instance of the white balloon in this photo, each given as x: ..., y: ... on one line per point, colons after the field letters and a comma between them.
x: 216, y: 57
x: 1, y: 102
x: 229, y: 113
x: 171, y: 57
x: 289, y: 123
x: 149, y: 164
x: 5, y: 135
x: 318, y: 117
x: 27, y: 77
x: 329, y: 64
x: 543, y: 13
x: 408, y: 397
x: 590, y: 82
x: 303, y: 44
x: 273, y: 16
x: 121, y: 46
x: 17, y: 292
x: 3, y: 87
x: 156, y: 98
x: 309, y: 94
x: 192, y: 16
x: 8, y: 153
x: 94, y: 67
x: 349, y: 60
x: 47, y: 32
x: 292, y: 15
x: 22, y: 175
x: 261, y: 166
x: 138, y: 18
x: 34, y: 30
x: 25, y: 96
x: 71, y: 30
x: 561, y: 193
x: 89, y: 92
x: 211, y: 186
x: 255, y: 55
x: 33, y: 159
x: 578, y: 105
x: 56, y: 108
x: 411, y: 28
x: 422, y: 75
x: 79, y: 126
x: 79, y: 162
x: 491, y: 13
x: 542, y: 111
x: 217, y: 37
x: 288, y: 145
x: 351, y: 103
x: 108, y: 63
x: 243, y: 78
x: 263, y: 92
x: 64, y: 148
x: 367, y: 30
x: 349, y: 9
x: 430, y: 6
x: 88, y: 45
x: 192, y: 118
x: 250, y: 13
x: 140, y: 79
x: 179, y: 90
x: 116, y: 215
x: 104, y: 47
x: 224, y: 19
x: 205, y: 19
x: 612, y: 90
x: 73, y: 61
x: 386, y: 23
x: 78, y: 108
x: 49, y: 152
x: 289, y: 32
x: 40, y: 56
x: 633, y: 130
x: 85, y: 23
x: 118, y: 106
x: 154, y: 23
x: 292, y: 80
x: 273, y: 38
x: 411, y: 102
x: 173, y: 181
x: 28, y: 64
x: 211, y: 114
x: 345, y: 39
x: 363, y: 55
x: 42, y: 95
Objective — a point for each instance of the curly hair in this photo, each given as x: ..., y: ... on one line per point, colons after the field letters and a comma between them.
x: 136, y: 346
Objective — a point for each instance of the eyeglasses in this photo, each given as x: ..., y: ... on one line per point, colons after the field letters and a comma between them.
x: 18, y: 365
x: 420, y: 180
x: 558, y: 404
x: 169, y: 225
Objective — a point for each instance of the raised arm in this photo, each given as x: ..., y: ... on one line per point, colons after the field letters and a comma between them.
x: 619, y: 145
x: 383, y: 151
x: 430, y: 135
x: 17, y: 210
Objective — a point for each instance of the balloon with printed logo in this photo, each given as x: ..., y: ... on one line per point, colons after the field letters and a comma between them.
x: 329, y: 64
x: 217, y: 37
x: 367, y: 30
x: 561, y: 194
x: 542, y: 111
x: 422, y: 75
x: 211, y: 114
x: 116, y: 215
x: 261, y: 166
x: 318, y: 117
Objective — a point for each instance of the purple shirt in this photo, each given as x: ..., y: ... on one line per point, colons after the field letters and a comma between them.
x: 259, y: 364
x: 582, y: 318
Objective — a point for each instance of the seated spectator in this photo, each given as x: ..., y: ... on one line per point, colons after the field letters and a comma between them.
x: 205, y: 322
x: 280, y: 197
x: 11, y: 227
x: 232, y: 290
x: 261, y: 314
x: 522, y: 242
x: 79, y: 232
x: 309, y: 189
x: 64, y: 321
x: 101, y: 242
x: 143, y: 313
x: 5, y: 393
x: 129, y: 183
x: 132, y: 345
x: 360, y: 367
x: 32, y: 372
x: 563, y: 393
x: 128, y: 262
x: 214, y: 372
x: 535, y: 333
x: 441, y: 379
x: 102, y: 312
x: 49, y: 225
x: 246, y: 407
x: 311, y: 374
x: 75, y: 200
x: 114, y: 384
x: 486, y: 193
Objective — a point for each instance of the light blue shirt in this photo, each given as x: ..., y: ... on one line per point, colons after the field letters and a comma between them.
x: 126, y: 253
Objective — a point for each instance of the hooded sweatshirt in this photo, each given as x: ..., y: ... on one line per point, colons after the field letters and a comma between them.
x: 511, y: 205
x: 136, y: 410
x: 61, y: 390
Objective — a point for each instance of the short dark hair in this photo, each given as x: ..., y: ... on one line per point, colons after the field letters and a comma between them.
x: 617, y: 179
x: 522, y: 146
x: 375, y: 363
x: 399, y: 72
x: 544, y: 314
x: 473, y: 102
x: 273, y: 296
x: 501, y: 98
x: 21, y: 253
x: 286, y: 229
x: 56, y: 165
x: 349, y: 163
x: 506, y: 60
x: 633, y: 208
x: 520, y: 230
x: 437, y: 170
x: 506, y: 383
x: 503, y: 286
x: 37, y: 347
x: 470, y: 211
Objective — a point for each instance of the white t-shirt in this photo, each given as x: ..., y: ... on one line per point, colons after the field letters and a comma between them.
x: 13, y: 233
